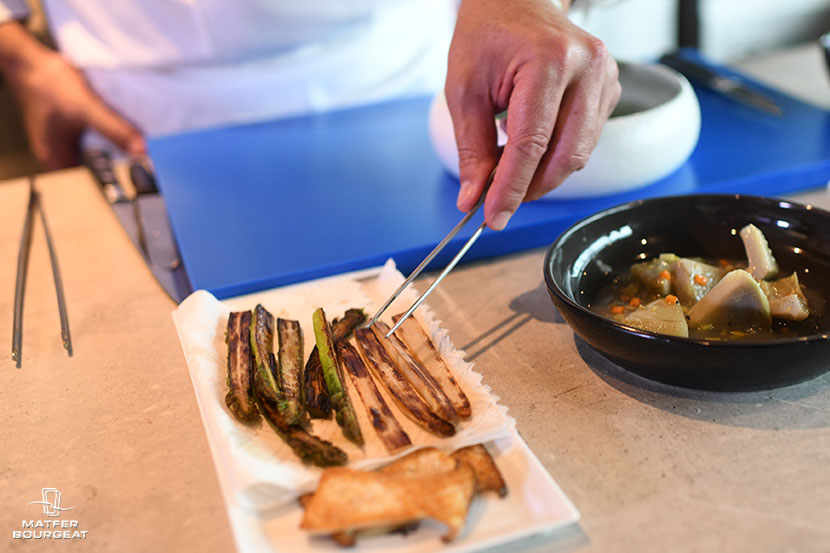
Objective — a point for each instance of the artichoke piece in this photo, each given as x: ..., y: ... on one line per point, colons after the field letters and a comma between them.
x: 762, y: 264
x: 736, y: 303
x: 660, y: 316
x: 691, y: 280
x: 653, y: 274
x: 315, y: 394
x: 290, y: 364
x: 786, y: 299
x: 344, y: 412
x: 240, y: 398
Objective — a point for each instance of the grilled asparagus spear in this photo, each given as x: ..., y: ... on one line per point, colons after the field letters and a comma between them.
x: 240, y: 399
x: 290, y: 365
x: 315, y: 393
x: 272, y: 404
x: 338, y: 394
x: 308, y: 447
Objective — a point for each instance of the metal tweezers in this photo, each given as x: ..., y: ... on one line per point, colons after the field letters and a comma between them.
x: 22, y: 269
x: 453, y: 262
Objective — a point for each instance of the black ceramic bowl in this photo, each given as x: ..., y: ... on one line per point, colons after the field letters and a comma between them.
x: 578, y: 264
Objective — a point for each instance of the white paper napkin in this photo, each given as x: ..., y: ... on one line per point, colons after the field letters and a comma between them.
x: 263, y: 471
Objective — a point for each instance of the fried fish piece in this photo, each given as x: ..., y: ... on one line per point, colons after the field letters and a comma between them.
x: 488, y: 476
x: 348, y: 500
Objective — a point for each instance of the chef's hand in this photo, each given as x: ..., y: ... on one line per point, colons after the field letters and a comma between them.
x: 559, y: 82
x: 56, y: 102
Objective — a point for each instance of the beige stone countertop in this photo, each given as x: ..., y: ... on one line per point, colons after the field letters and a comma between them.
x: 116, y: 428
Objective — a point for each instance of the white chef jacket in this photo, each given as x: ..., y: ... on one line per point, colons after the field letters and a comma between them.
x: 174, y: 65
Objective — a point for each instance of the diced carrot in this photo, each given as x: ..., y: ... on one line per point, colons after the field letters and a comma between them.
x: 671, y: 299
x: 701, y: 279
x: 664, y: 275
x: 617, y: 309
x: 635, y: 302
x: 625, y: 297
x: 723, y: 262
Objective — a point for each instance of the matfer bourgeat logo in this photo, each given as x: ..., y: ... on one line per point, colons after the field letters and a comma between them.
x: 50, y: 528
x: 51, y: 502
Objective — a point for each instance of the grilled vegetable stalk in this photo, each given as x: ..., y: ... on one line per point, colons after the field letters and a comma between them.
x: 308, y: 447
x: 315, y: 393
x: 240, y: 398
x: 290, y: 365
x: 265, y: 364
x: 338, y: 395
x: 386, y: 370
x: 415, y: 373
x: 388, y: 428
x: 273, y: 406
x: 416, y: 338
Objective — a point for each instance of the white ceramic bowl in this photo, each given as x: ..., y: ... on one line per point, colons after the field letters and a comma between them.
x: 651, y: 133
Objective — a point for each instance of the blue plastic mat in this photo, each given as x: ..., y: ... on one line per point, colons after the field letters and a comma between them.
x: 258, y: 206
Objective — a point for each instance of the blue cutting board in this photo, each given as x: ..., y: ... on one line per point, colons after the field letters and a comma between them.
x: 258, y: 206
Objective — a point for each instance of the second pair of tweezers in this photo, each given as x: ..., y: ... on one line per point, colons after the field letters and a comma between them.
x: 22, y: 270
x: 453, y: 262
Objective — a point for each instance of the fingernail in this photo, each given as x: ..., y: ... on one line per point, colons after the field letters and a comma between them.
x: 500, y: 219
x: 464, y: 195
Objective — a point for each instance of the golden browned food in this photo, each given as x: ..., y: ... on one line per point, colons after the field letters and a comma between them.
x: 348, y: 500
x: 488, y: 476
x: 421, y: 463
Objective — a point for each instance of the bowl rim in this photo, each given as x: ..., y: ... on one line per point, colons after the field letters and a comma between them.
x: 670, y: 75
x: 560, y: 293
